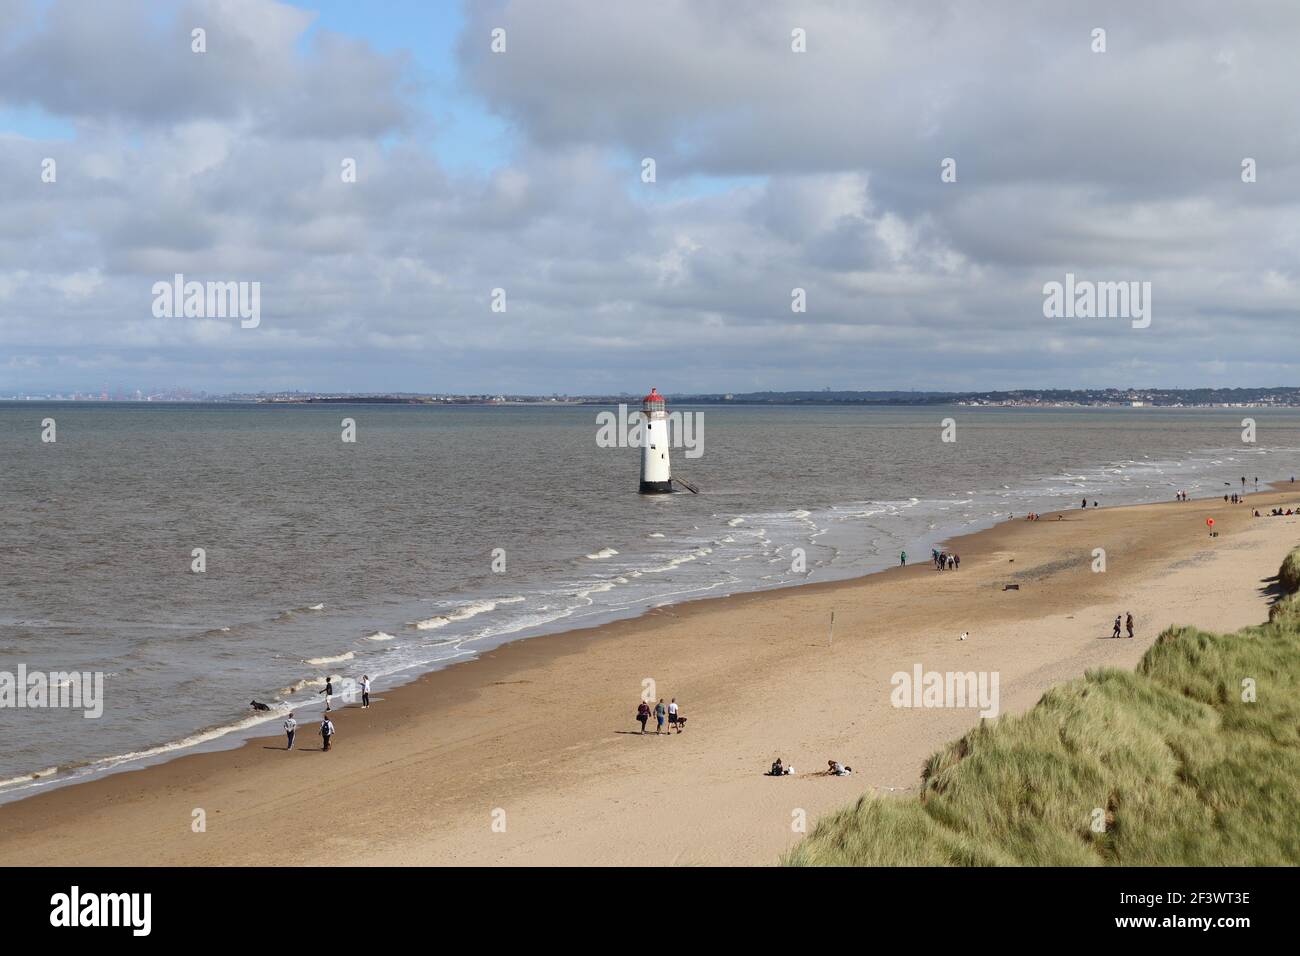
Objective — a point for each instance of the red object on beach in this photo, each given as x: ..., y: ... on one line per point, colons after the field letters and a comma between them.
x: 1209, y: 522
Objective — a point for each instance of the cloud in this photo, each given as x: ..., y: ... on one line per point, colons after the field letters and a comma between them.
x: 775, y: 170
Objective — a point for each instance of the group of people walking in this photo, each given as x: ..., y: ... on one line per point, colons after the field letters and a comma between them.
x: 661, y: 712
x: 943, y: 560
x: 327, y: 728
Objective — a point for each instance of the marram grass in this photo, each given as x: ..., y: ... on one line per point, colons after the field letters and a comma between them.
x: 1167, y: 766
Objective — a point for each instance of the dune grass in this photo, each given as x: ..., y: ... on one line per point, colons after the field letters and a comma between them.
x: 1170, y: 762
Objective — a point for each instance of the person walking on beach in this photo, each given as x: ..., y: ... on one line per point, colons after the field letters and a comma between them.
x: 643, y: 714
x: 326, y: 731
x: 672, y: 715
x: 1115, y: 633
x: 1128, y: 623
x: 956, y: 562
x: 661, y: 712
x: 329, y: 690
x: 365, y: 691
x: 902, y: 558
x: 290, y: 728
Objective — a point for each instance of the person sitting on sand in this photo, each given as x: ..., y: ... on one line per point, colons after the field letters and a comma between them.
x: 837, y: 769
x: 779, y: 769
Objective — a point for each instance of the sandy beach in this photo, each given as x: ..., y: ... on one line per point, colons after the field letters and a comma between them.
x: 530, y: 756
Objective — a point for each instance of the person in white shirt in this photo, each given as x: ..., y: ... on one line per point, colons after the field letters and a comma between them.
x: 365, y: 691
x: 290, y: 728
x: 672, y: 716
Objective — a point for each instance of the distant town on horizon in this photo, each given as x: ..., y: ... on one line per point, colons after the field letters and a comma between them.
x: 1277, y: 396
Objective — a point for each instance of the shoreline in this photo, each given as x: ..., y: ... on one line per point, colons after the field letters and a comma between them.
x: 458, y: 725
x: 240, y: 731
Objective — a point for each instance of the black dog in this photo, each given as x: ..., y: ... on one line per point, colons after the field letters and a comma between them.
x: 258, y: 706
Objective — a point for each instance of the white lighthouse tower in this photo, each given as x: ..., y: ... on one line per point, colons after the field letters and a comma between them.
x: 656, y: 478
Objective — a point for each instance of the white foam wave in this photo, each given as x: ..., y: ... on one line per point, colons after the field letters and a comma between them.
x: 337, y: 659
x: 465, y: 612
x: 302, y: 685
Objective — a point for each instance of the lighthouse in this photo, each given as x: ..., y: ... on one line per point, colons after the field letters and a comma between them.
x: 656, y: 478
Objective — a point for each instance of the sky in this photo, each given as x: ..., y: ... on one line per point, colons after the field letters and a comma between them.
x: 501, y: 234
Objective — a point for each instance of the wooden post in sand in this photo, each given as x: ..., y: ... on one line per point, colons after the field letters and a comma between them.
x: 832, y: 641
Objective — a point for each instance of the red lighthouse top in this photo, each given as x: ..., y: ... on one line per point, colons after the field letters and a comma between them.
x: 654, y: 402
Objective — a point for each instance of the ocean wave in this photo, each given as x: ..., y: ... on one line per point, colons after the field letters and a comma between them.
x: 379, y: 636
x: 602, y: 554
x: 302, y: 685
x: 672, y: 563
x: 29, y: 777
x: 317, y: 661
x: 465, y: 612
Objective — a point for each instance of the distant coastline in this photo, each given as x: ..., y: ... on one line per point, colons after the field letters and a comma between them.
x: 1275, y: 397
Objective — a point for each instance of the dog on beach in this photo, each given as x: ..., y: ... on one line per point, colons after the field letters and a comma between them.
x: 964, y: 635
x: 257, y: 705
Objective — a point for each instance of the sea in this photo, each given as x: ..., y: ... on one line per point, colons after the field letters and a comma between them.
x: 202, y: 556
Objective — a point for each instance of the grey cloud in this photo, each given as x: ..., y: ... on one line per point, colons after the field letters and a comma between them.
x: 1116, y: 166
